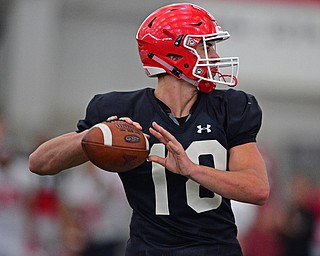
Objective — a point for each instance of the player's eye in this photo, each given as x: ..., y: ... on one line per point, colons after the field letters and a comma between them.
x: 210, y: 46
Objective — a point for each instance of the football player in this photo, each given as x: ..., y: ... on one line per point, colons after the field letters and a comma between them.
x: 203, y: 140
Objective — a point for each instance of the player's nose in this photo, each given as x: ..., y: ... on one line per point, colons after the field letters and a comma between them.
x: 213, y: 54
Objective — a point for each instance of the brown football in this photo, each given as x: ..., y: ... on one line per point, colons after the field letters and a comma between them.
x: 115, y: 146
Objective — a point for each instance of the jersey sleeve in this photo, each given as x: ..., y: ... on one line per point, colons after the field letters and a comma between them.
x: 103, y: 106
x: 243, y: 118
x: 92, y: 116
x: 109, y: 104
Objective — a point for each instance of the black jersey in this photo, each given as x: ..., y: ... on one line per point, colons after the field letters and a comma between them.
x: 173, y: 215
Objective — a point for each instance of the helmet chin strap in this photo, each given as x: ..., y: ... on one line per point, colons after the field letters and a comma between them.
x: 232, y: 83
x: 175, y: 71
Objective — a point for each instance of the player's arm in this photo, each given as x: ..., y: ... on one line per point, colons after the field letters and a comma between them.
x: 246, y: 180
x: 58, y: 154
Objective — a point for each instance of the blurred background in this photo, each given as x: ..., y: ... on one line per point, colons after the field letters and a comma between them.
x: 56, y: 54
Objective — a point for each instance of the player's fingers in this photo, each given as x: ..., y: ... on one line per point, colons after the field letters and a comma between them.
x: 126, y: 119
x: 129, y: 121
x: 167, y: 135
x: 137, y: 125
x: 112, y: 118
x: 172, y: 144
x: 146, y: 135
x: 157, y: 159
x: 173, y: 148
x: 158, y: 136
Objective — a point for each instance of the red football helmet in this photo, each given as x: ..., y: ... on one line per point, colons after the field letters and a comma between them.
x: 176, y: 30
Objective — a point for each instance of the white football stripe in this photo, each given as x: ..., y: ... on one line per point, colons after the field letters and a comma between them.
x: 107, y: 136
x: 147, y: 142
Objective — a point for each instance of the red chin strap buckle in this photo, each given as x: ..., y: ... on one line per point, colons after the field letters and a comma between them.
x: 206, y: 87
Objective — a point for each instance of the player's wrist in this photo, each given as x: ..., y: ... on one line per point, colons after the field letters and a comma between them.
x: 191, y: 171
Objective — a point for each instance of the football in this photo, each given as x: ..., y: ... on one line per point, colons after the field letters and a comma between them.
x: 115, y: 146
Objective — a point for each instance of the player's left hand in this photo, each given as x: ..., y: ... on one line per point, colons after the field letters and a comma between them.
x: 177, y: 160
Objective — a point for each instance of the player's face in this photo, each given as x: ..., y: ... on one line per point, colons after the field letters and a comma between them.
x: 207, y: 48
x: 207, y: 53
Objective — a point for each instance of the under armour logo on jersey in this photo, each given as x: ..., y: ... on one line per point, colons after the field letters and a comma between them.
x: 205, y: 128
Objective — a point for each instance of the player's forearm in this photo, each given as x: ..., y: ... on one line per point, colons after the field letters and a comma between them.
x: 242, y: 185
x: 58, y: 154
